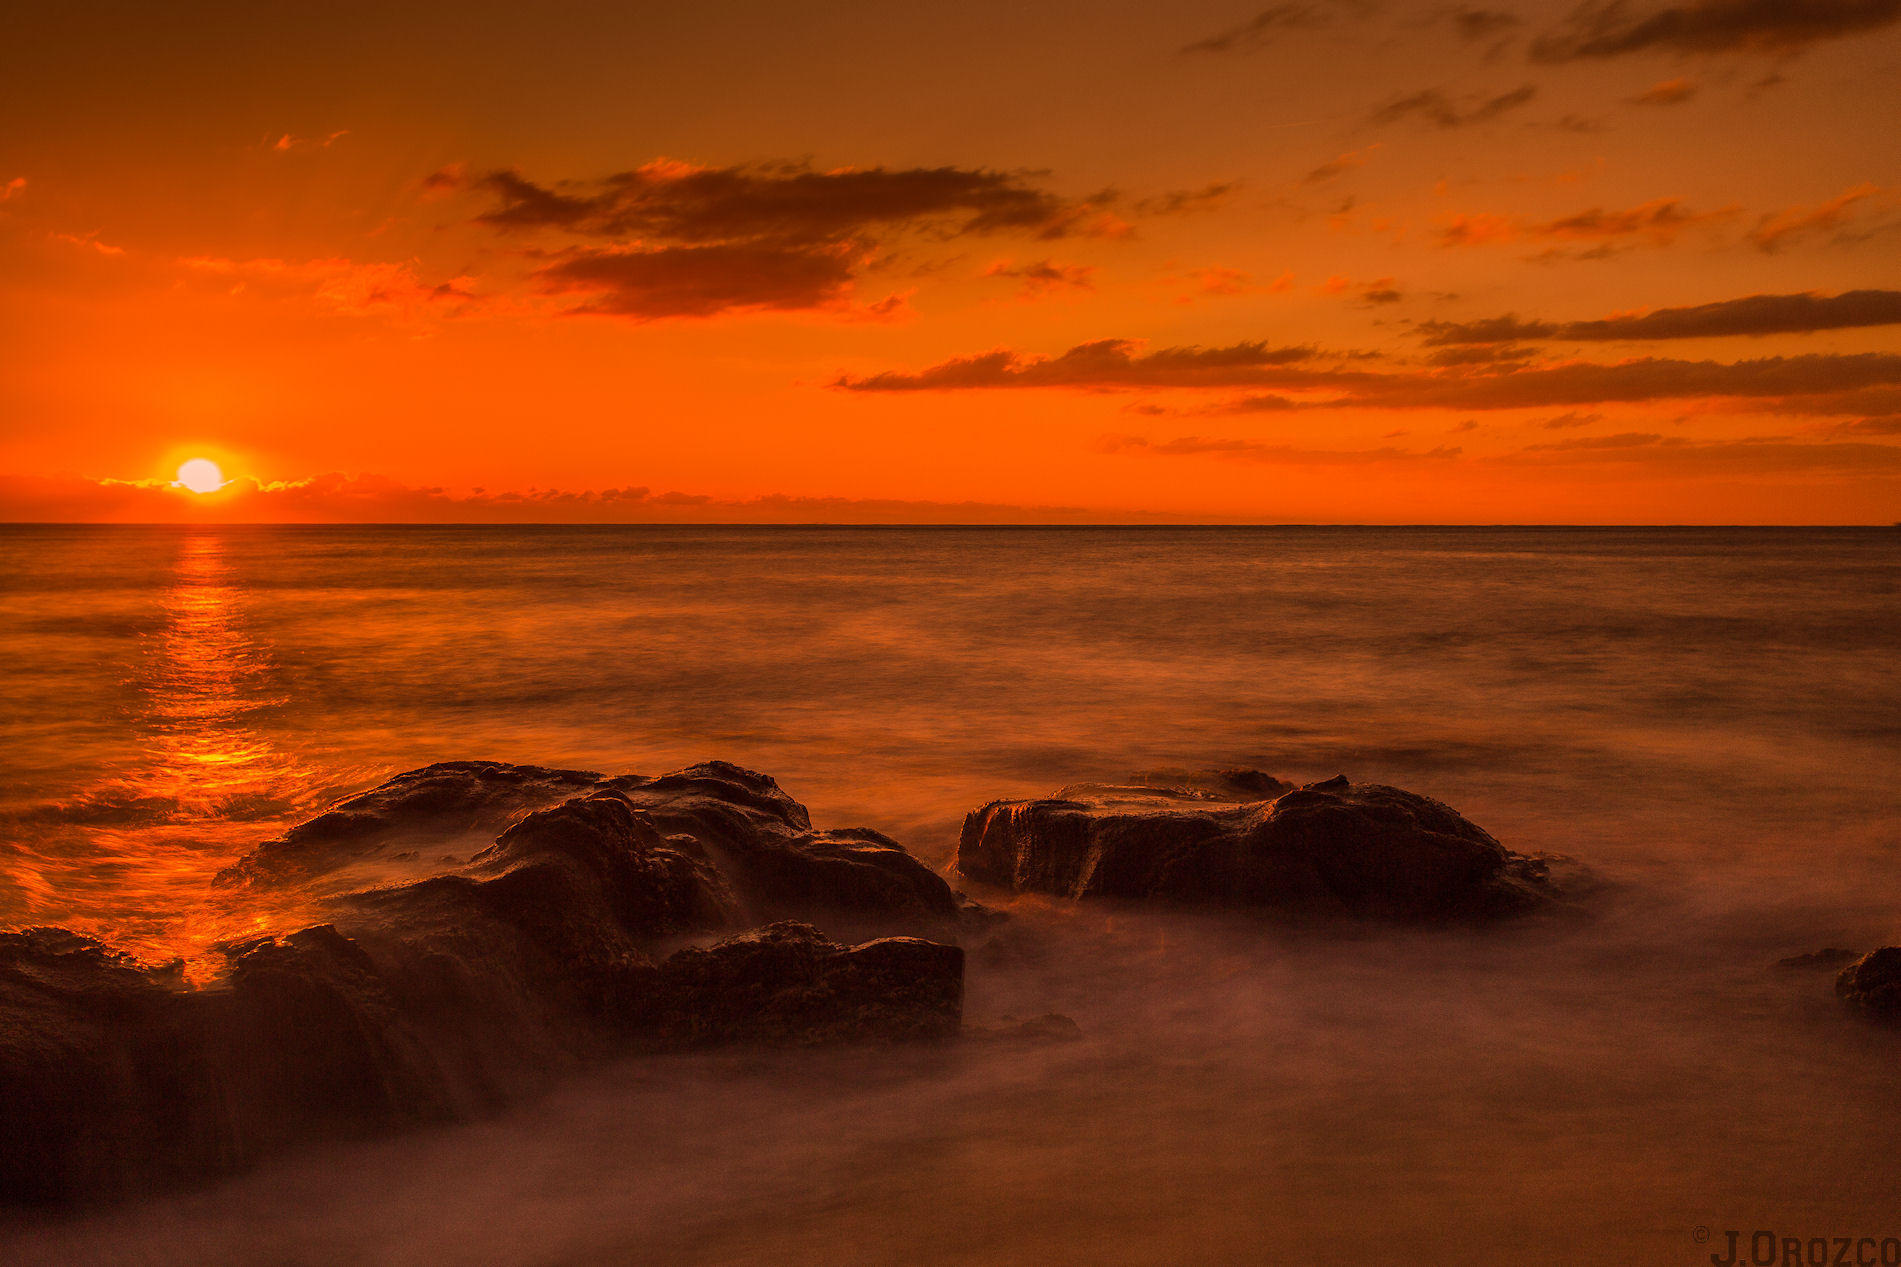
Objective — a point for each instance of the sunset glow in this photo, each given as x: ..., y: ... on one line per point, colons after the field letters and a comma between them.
x: 1226, y: 632
x: 1324, y: 262
x: 201, y: 475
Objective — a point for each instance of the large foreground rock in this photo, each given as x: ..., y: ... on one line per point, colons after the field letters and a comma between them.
x: 766, y: 861
x: 418, y: 985
x: 1242, y: 838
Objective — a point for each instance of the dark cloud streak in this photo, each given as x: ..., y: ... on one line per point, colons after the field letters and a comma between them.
x: 1111, y: 363
x: 1751, y: 315
x: 1436, y: 107
x: 1614, y: 28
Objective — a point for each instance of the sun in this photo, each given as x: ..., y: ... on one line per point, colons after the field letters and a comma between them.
x: 201, y: 475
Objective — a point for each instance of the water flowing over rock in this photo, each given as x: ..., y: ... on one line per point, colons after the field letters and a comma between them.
x: 1242, y: 838
x: 600, y: 920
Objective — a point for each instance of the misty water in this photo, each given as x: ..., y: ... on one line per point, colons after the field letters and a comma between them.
x: 1711, y: 719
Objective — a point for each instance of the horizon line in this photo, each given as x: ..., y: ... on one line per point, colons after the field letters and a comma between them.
x: 819, y: 523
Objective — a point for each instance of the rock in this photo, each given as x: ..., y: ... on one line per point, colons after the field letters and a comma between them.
x: 91, y: 1068
x: 1830, y: 957
x: 786, y: 984
x: 1241, y: 838
x: 1872, y: 984
x: 769, y: 862
x: 438, y: 802
x: 591, y: 925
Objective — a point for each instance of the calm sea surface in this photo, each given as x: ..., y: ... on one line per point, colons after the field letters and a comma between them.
x: 1710, y: 718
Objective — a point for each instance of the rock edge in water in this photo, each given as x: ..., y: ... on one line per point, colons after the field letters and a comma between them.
x: 1243, y: 838
x: 600, y: 920
x: 1871, y: 985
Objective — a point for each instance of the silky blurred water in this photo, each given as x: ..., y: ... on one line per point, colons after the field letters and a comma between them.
x: 1710, y: 718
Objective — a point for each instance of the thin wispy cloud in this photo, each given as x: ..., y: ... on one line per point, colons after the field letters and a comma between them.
x: 1445, y: 110
x: 1750, y: 315
x: 1615, y: 28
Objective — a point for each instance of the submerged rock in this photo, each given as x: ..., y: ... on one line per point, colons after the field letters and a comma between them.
x: 591, y: 925
x: 787, y: 984
x: 1827, y: 957
x: 1241, y: 838
x: 1872, y: 984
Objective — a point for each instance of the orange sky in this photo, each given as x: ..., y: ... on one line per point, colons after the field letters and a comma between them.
x: 1324, y: 260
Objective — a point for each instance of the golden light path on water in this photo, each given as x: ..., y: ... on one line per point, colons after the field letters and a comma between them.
x: 205, y: 776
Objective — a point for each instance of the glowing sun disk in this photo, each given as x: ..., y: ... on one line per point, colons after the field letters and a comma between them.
x: 201, y: 475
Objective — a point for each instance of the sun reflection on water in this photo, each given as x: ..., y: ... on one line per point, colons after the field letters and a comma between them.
x: 206, y: 681
x: 206, y: 783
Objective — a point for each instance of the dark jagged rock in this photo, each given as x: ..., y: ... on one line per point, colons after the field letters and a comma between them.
x: 1241, y: 838
x: 1872, y: 984
x: 443, y: 801
x: 758, y: 842
x: 589, y: 926
x: 787, y: 984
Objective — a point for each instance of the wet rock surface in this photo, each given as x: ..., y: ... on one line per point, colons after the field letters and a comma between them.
x: 1243, y: 838
x: 600, y: 920
x: 1872, y: 984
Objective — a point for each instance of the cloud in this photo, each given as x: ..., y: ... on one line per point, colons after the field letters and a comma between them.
x: 1505, y: 329
x: 1477, y: 229
x: 1434, y: 106
x: 1381, y: 290
x: 1255, y: 451
x: 1867, y: 399
x: 1107, y: 363
x: 446, y: 180
x: 671, y: 239
x: 680, y: 203
x: 88, y: 241
x: 1751, y: 315
x: 1676, y: 457
x: 1649, y: 378
x: 12, y: 187
x: 1567, y: 421
x: 1613, y: 28
x: 1229, y: 281
x: 1481, y: 24
x: 1176, y: 202
x: 1339, y: 166
x: 1622, y: 440
x: 1493, y: 354
x: 1778, y: 228
x: 1671, y: 92
x: 349, y: 287
x: 340, y: 498
x: 1659, y: 221
x: 1666, y: 456
x: 1043, y: 277
x: 1640, y: 453
x: 1888, y: 425
x: 702, y: 281
x: 285, y: 142
x: 1112, y: 364
x: 1269, y: 25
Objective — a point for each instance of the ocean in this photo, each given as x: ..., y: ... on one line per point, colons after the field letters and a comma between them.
x: 1710, y: 719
